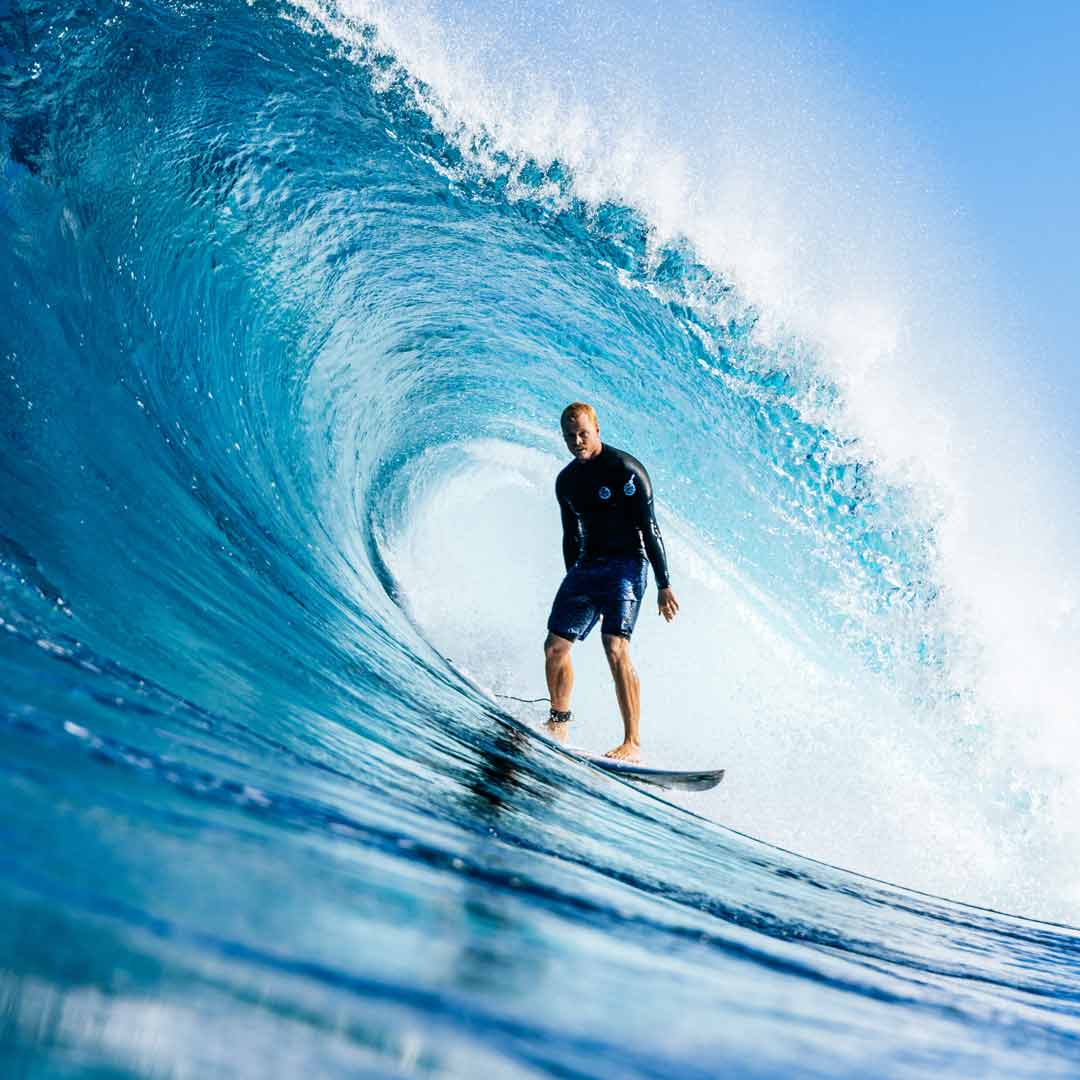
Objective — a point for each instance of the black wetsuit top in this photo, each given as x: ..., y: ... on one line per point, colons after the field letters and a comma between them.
x: 607, y: 510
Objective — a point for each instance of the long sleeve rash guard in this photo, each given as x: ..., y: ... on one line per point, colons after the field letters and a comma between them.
x: 607, y: 510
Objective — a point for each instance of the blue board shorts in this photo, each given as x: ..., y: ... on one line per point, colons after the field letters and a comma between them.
x: 608, y: 588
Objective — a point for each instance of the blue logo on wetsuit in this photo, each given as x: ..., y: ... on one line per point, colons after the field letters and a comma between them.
x: 604, y: 493
x: 628, y: 487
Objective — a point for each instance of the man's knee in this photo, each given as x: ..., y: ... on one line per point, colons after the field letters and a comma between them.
x: 555, y: 647
x: 617, y: 649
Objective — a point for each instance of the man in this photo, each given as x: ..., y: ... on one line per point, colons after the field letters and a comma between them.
x: 605, y: 497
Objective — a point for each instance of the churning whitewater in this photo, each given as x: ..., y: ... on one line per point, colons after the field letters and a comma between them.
x: 291, y: 310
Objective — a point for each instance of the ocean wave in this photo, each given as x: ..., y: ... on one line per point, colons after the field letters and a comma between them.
x: 291, y: 321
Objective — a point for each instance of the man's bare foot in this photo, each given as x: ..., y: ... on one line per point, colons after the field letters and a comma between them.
x: 557, y: 729
x: 627, y: 751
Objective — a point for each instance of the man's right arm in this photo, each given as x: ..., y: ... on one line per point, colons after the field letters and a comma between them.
x: 571, y: 531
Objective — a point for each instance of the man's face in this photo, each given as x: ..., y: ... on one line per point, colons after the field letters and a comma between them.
x: 582, y: 437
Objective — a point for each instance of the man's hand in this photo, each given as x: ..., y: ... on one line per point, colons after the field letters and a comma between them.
x: 667, y: 604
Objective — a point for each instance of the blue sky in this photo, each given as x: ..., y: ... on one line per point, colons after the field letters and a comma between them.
x: 991, y: 94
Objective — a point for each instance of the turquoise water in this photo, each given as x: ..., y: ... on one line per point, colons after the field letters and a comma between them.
x: 282, y: 363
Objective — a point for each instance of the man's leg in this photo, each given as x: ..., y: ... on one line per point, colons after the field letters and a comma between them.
x: 559, y: 671
x: 628, y: 691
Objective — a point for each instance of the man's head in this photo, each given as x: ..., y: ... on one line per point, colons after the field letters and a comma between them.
x: 580, y: 430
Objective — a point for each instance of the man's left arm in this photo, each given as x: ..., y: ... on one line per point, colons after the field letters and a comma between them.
x: 654, y: 544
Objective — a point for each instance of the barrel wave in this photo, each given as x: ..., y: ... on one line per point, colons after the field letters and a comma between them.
x: 283, y: 353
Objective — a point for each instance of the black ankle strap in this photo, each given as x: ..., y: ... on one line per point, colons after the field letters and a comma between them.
x: 556, y: 716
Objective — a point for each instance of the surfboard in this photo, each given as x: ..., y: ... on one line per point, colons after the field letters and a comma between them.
x: 670, y: 779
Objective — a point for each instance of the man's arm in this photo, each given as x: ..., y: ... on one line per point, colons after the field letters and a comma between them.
x: 571, y: 531
x: 666, y: 603
x: 645, y: 518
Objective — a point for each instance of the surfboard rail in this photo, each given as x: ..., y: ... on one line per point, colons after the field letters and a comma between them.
x: 670, y: 779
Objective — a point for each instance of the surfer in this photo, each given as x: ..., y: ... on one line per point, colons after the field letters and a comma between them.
x: 605, y: 497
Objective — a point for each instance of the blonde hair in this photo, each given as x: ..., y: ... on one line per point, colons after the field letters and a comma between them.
x: 576, y: 409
